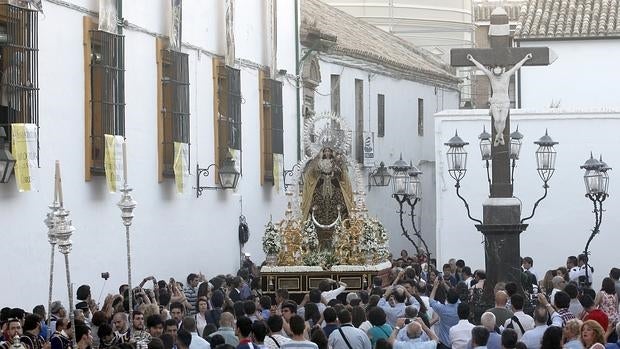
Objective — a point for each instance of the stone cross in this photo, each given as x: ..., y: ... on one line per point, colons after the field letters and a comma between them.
x: 500, y: 55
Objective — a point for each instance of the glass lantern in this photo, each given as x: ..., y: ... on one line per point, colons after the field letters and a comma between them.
x: 545, y: 157
x: 592, y: 177
x: 457, y: 157
x: 415, y: 189
x: 381, y: 176
x: 516, y: 140
x: 400, y: 175
x: 604, y: 176
x: 229, y: 176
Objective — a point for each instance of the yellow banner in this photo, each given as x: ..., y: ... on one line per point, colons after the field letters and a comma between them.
x: 113, y: 161
x: 278, y: 164
x: 24, y: 147
x: 180, y: 166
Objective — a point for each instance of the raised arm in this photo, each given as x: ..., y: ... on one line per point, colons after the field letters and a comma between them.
x: 479, y: 65
x: 520, y: 64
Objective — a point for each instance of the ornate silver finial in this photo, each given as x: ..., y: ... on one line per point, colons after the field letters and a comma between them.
x: 63, y: 230
x: 127, y: 204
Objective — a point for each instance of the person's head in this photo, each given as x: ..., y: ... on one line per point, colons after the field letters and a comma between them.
x: 377, y: 316
x: 57, y: 309
x: 119, y: 320
x: 540, y: 315
x: 592, y: 332
x: 586, y: 302
x: 488, y: 321
x: 344, y: 317
x: 259, y: 330
x: 189, y: 324
x: 177, y: 311
x: 217, y: 299
x: 311, y: 312
x: 83, y: 336
x: 83, y: 293
x: 249, y: 308
x: 265, y: 302
x: 61, y: 324
x: 275, y: 323
x: 399, y: 294
x: 281, y: 295
x: 571, y: 290
x: 227, y: 319
x: 39, y: 310
x: 170, y: 328
x: 528, y: 262
x: 297, y: 324
x: 216, y: 340
x: 452, y: 296
x: 168, y: 341
x: 156, y: 343
x: 192, y: 280
x: 552, y: 338
x: 571, y: 262
x: 572, y: 328
x: 614, y: 274
x: 325, y: 285
x: 582, y: 259
x: 244, y: 327
x: 501, y: 298
x: 517, y: 301
x: 208, y: 330
x: 202, y: 304
x: 561, y: 300
x: 330, y: 315
x: 498, y: 70
x: 105, y: 332
x: 479, y: 336
x: 511, y: 288
x: 509, y: 338
x: 414, y: 330
x: 466, y: 272
x: 183, y: 339
x: 288, y: 309
x: 447, y: 270
x: 558, y: 282
x: 13, y: 328
x: 155, y: 325
x: 315, y: 295
x: 463, y: 311
x: 138, y: 320
x: 32, y: 323
x: 317, y: 336
x: 608, y: 286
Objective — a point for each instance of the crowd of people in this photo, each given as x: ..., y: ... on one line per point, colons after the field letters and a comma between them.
x: 414, y: 306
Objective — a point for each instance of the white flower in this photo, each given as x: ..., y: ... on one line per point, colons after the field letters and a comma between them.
x: 272, y: 240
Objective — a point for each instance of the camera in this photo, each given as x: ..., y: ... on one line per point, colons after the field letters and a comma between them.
x: 105, y: 275
x: 408, y: 321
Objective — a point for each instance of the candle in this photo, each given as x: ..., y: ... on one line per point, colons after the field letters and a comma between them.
x: 125, y: 162
x: 58, y: 183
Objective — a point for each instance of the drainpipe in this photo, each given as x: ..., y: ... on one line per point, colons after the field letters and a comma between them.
x: 298, y: 74
x: 120, y: 52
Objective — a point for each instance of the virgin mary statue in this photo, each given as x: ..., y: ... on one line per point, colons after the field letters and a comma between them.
x: 327, y: 192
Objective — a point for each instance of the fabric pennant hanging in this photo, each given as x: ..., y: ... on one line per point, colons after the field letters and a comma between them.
x: 113, y: 161
x: 175, y: 26
x: 278, y: 165
x: 181, y: 165
x: 24, y: 145
x: 108, y: 17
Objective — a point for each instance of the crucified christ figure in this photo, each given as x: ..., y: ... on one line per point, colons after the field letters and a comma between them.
x: 500, y: 101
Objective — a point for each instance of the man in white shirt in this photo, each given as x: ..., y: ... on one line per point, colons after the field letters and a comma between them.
x: 414, y: 330
x: 189, y: 325
x: 276, y: 337
x: 520, y: 321
x: 326, y: 289
x: 580, y: 270
x: 347, y: 336
x: 460, y: 334
x: 400, y: 295
x: 533, y: 337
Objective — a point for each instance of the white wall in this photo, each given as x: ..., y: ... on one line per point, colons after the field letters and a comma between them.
x: 172, y: 235
x: 585, y: 75
x: 563, y: 220
x: 401, y: 135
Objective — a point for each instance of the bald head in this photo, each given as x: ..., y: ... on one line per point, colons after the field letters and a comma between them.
x: 488, y: 321
x: 558, y: 282
x: 227, y: 319
x: 414, y: 330
x: 501, y: 297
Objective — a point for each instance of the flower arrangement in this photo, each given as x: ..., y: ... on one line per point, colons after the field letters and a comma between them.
x: 272, y: 240
x: 310, y: 237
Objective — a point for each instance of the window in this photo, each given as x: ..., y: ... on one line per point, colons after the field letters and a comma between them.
x: 227, y: 106
x: 173, y: 97
x: 19, y: 63
x: 105, y: 92
x: 359, y: 120
x: 380, y: 115
x: 420, y: 117
x: 272, y: 126
x: 335, y: 94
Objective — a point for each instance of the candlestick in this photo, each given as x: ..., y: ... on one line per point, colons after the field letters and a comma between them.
x: 125, y: 162
x: 58, y: 189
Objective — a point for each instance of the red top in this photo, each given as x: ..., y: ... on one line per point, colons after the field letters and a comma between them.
x: 599, y: 316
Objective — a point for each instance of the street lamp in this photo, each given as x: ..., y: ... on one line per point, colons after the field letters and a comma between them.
x: 457, y: 157
x: 545, y: 166
x: 516, y: 140
x: 415, y: 189
x: 227, y: 174
x: 380, y: 177
x: 401, y: 177
x: 485, y: 144
x: 7, y: 161
x: 596, y: 180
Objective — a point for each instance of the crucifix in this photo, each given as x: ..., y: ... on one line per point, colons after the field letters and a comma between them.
x: 501, y: 216
x: 493, y: 62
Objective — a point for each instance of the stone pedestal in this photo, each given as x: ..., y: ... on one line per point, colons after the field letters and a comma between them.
x: 501, y: 228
